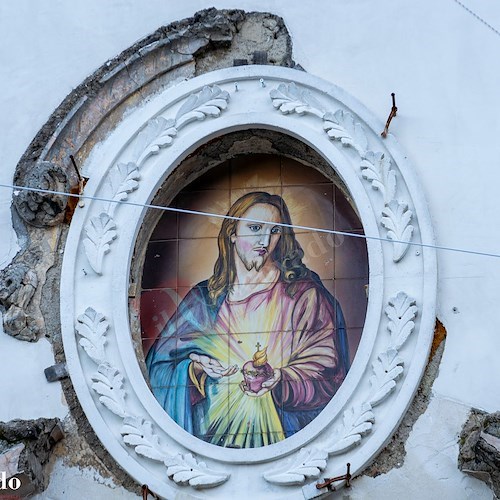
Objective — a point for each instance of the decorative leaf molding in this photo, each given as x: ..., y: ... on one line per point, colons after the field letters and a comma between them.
x: 307, y: 464
x: 158, y: 133
x: 92, y: 327
x: 101, y: 231
x: 343, y: 127
x: 291, y: 99
x: 401, y: 312
x: 137, y: 432
x: 123, y: 179
x: 184, y: 470
x: 396, y: 218
x: 376, y: 168
x: 108, y: 383
x: 358, y: 420
x: 340, y: 125
x: 209, y: 102
x: 387, y: 369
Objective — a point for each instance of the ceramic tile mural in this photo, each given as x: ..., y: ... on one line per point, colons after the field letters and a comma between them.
x: 249, y: 328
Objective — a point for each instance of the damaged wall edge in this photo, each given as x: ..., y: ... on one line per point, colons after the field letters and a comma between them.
x: 25, y: 452
x: 209, y: 40
x: 393, y: 455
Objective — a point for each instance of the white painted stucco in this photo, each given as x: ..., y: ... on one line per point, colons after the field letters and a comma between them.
x: 439, y: 60
x: 71, y: 482
x: 28, y: 394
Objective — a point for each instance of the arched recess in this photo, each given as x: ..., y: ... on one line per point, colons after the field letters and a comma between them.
x: 169, y: 245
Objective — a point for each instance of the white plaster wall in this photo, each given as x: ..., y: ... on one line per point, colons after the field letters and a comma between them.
x: 74, y: 483
x: 441, y: 62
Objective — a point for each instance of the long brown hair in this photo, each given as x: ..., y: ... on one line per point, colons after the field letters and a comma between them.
x: 287, y: 255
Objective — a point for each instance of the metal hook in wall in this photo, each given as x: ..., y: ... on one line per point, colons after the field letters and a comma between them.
x: 146, y: 491
x: 392, y: 114
x: 328, y: 482
x: 75, y: 166
x: 75, y: 189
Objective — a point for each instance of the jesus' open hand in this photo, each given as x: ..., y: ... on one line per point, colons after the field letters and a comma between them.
x: 211, y: 366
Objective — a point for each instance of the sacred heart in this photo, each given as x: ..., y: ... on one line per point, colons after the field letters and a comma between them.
x: 257, y: 371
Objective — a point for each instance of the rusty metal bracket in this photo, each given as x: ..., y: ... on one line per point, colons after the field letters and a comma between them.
x: 146, y: 491
x: 328, y: 482
x: 392, y: 114
x: 75, y: 189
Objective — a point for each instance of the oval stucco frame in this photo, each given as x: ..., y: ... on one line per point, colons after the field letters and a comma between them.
x: 131, y: 165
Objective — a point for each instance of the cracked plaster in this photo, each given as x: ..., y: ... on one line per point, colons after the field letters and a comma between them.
x: 394, y: 454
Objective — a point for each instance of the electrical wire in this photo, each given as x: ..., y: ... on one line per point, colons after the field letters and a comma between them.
x: 480, y: 19
x: 257, y: 221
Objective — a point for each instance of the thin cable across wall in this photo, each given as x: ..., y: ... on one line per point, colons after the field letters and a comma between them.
x: 221, y: 216
x: 480, y: 19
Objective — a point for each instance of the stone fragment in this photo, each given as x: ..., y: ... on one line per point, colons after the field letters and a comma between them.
x: 17, y: 286
x: 479, y: 452
x: 56, y: 372
x: 25, y: 448
x: 9, y: 460
x: 260, y: 57
x: 37, y: 208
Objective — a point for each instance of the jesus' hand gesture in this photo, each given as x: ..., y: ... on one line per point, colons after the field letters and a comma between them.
x: 211, y: 366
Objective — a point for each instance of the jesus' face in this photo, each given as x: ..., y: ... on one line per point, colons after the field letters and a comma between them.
x: 254, y: 242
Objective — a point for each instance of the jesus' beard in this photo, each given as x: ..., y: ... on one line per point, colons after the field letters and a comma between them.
x: 256, y: 263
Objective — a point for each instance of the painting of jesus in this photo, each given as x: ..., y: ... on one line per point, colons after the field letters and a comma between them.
x: 255, y: 352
